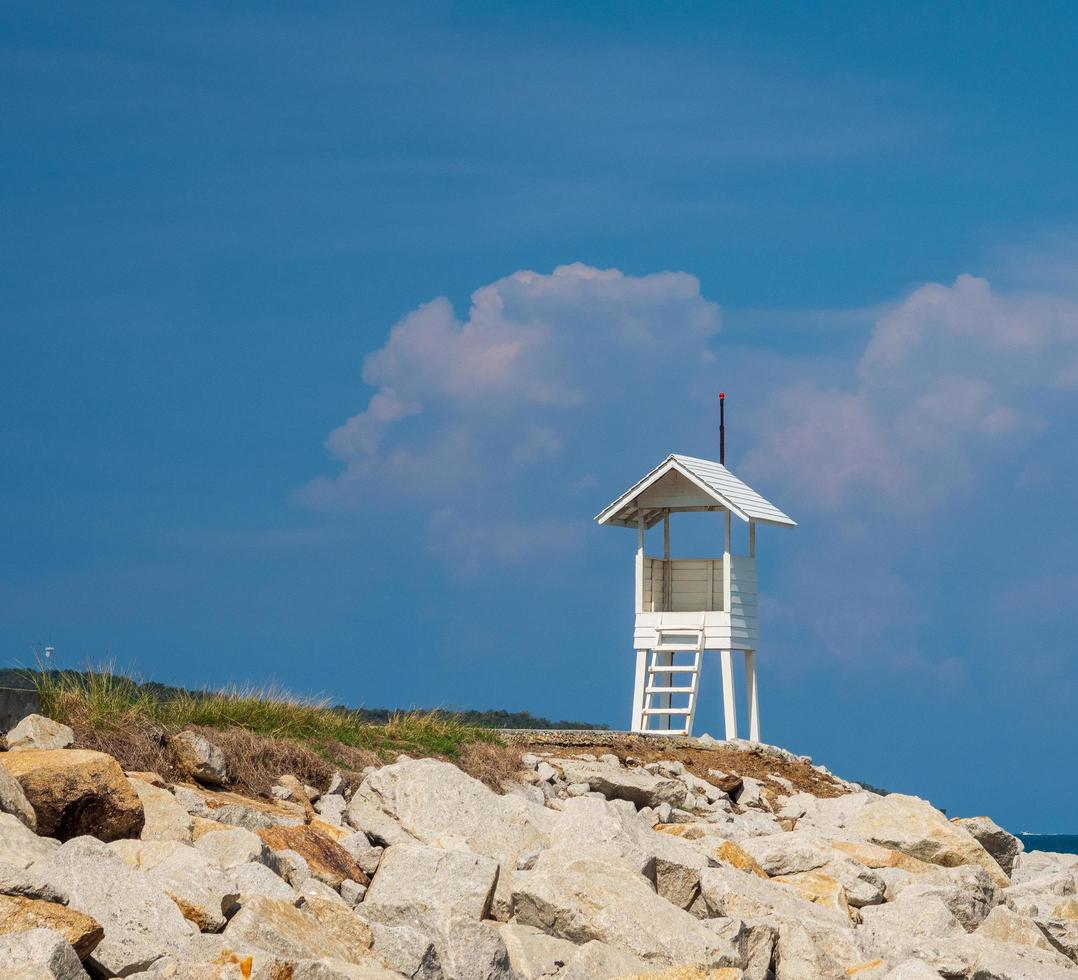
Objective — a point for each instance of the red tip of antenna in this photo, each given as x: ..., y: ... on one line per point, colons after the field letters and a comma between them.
x: 722, y: 394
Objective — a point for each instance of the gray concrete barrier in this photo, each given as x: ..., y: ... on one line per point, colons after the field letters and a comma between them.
x: 16, y: 704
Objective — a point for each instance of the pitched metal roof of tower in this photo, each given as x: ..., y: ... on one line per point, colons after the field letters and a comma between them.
x: 713, y: 481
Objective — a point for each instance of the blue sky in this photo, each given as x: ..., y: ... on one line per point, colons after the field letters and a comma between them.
x: 327, y: 329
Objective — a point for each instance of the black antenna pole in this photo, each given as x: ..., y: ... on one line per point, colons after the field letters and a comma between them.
x: 722, y: 427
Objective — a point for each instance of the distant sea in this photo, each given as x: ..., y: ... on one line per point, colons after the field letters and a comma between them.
x: 1060, y: 843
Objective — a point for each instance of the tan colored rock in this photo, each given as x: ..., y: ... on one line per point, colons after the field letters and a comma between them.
x: 686, y: 831
x: 330, y: 830
x: 915, y: 827
x: 875, y: 856
x: 39, y: 732
x: 19, y: 914
x: 1004, y: 926
x: 340, y: 921
x: 165, y: 819
x: 147, y: 776
x: 143, y: 855
x: 297, y: 794
x: 589, y: 899
x: 689, y: 972
x: 731, y: 854
x: 820, y: 889
x: 201, y: 826
x: 326, y: 859
x: 75, y: 792
x: 1003, y: 846
x: 279, y: 928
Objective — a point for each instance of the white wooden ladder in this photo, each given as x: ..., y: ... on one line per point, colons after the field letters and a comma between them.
x: 661, y: 671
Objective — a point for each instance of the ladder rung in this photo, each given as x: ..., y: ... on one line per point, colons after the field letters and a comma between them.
x: 668, y: 711
x: 675, y: 648
x: 670, y: 690
x: 671, y: 669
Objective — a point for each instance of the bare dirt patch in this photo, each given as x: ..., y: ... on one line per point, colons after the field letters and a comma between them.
x: 697, y: 759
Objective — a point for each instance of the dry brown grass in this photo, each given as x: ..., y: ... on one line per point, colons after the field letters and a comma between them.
x: 491, y: 764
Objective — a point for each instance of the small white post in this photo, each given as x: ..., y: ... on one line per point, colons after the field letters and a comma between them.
x: 728, y: 705
x: 638, y: 724
x: 751, y: 696
x: 667, y: 572
x: 640, y: 560
x: 726, y: 583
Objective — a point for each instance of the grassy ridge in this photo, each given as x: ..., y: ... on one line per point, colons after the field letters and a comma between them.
x: 103, y: 700
x: 14, y: 677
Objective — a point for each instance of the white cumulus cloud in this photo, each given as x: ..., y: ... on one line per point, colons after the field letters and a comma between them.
x: 468, y: 412
x: 946, y: 376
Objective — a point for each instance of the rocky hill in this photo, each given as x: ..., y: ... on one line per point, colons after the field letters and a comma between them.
x: 597, y: 855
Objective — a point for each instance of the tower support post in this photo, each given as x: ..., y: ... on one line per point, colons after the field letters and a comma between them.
x: 728, y: 704
x: 637, y: 723
x: 752, y: 696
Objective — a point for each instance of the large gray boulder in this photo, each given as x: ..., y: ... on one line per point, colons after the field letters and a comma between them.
x: 1003, y: 846
x: 13, y: 800
x: 197, y: 757
x: 966, y: 890
x: 1039, y: 896
x: 440, y: 805
x: 981, y: 959
x: 1030, y: 865
x: 1002, y: 925
x: 892, y: 931
x: 20, y: 846
x: 911, y: 825
x: 230, y: 848
x: 416, y: 875
x: 639, y: 787
x: 805, y: 951
x: 165, y: 818
x: 39, y: 732
x: 862, y: 885
x: 725, y: 891
x: 38, y: 954
x: 201, y: 891
x: 29, y: 883
x: 141, y: 922
x: 534, y: 953
x: 254, y: 880
x: 612, y: 831
x: 788, y: 853
x: 374, y: 823
x: 1062, y: 932
x: 813, y: 940
x: 589, y: 899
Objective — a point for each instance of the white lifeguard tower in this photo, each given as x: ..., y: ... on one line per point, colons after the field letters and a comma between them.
x: 685, y: 606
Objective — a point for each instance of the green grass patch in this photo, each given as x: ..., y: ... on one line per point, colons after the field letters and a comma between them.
x: 102, y: 698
